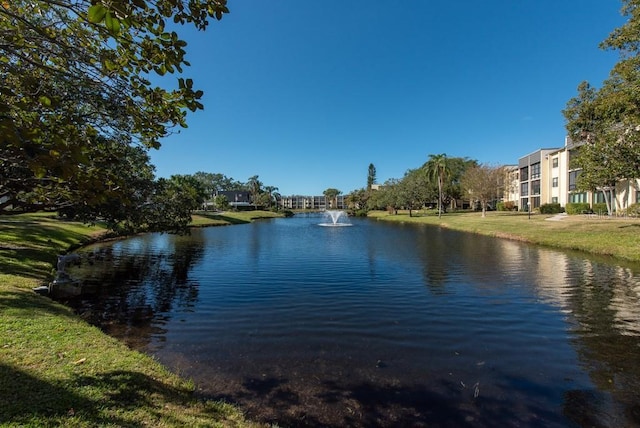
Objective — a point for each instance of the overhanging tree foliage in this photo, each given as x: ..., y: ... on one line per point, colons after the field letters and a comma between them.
x: 75, y: 78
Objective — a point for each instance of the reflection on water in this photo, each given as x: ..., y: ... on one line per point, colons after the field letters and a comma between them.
x: 378, y: 324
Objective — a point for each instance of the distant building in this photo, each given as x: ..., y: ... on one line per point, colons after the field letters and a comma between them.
x: 314, y: 203
x: 235, y: 198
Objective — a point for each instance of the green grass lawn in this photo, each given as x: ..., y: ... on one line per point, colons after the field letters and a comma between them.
x: 212, y: 218
x: 616, y: 237
x: 56, y: 370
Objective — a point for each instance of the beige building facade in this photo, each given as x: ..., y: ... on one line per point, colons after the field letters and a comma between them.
x: 545, y: 176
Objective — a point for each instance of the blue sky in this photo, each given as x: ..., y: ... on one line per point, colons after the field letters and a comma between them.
x: 307, y: 94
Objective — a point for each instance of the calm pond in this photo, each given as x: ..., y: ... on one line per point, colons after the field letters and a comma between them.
x: 377, y: 324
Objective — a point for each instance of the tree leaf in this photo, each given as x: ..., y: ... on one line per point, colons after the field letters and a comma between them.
x: 97, y: 13
x: 112, y: 23
x: 45, y: 101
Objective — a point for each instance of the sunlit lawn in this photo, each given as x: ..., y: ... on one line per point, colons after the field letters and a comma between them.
x: 618, y: 237
x: 213, y: 218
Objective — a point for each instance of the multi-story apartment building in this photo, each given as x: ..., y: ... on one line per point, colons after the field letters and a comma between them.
x: 315, y: 203
x: 545, y: 176
x: 561, y: 179
x: 511, y: 185
x: 533, y: 177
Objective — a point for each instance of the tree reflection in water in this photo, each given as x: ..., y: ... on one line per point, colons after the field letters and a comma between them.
x: 132, y: 297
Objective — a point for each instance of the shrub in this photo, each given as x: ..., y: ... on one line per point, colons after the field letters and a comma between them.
x: 633, y: 210
x: 550, y: 209
x: 600, y: 208
x: 577, y: 208
x: 506, y: 206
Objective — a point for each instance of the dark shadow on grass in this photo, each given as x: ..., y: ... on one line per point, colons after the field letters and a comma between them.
x: 26, y: 262
x: 31, y: 303
x: 220, y: 217
x: 25, y: 399
x: 630, y: 225
x: 33, y: 246
x: 28, y: 400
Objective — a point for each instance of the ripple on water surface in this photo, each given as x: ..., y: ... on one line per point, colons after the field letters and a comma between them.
x: 377, y: 324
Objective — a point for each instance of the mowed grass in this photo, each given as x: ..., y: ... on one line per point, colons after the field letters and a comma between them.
x: 615, y: 237
x: 56, y: 370
x: 212, y: 218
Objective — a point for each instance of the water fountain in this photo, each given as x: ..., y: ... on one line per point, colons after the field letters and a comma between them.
x: 336, y: 216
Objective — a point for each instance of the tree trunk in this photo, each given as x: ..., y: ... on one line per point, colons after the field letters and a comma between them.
x: 608, y: 197
x: 439, y: 197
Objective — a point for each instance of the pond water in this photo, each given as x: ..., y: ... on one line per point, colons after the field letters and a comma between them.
x: 377, y: 324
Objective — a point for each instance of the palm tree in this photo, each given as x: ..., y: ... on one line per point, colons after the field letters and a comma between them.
x: 437, y: 168
x: 254, y: 186
x: 270, y: 190
x: 332, y: 195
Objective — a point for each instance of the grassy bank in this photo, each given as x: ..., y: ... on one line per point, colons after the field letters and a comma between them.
x: 616, y: 237
x: 56, y: 370
x: 211, y: 218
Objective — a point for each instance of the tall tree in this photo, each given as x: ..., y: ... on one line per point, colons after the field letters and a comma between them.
x: 271, y: 191
x: 412, y: 190
x: 607, y: 149
x: 437, y: 168
x: 331, y: 194
x: 482, y: 184
x: 605, y: 122
x: 255, y: 188
x: 371, y: 177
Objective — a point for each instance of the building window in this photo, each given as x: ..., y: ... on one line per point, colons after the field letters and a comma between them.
x: 573, y: 176
x: 535, y: 202
x: 554, y: 162
x: 524, y: 173
x: 554, y: 199
x: 535, y: 170
x: 578, y: 197
x: 535, y: 187
x: 524, y: 189
x: 599, y: 197
x: 554, y: 182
